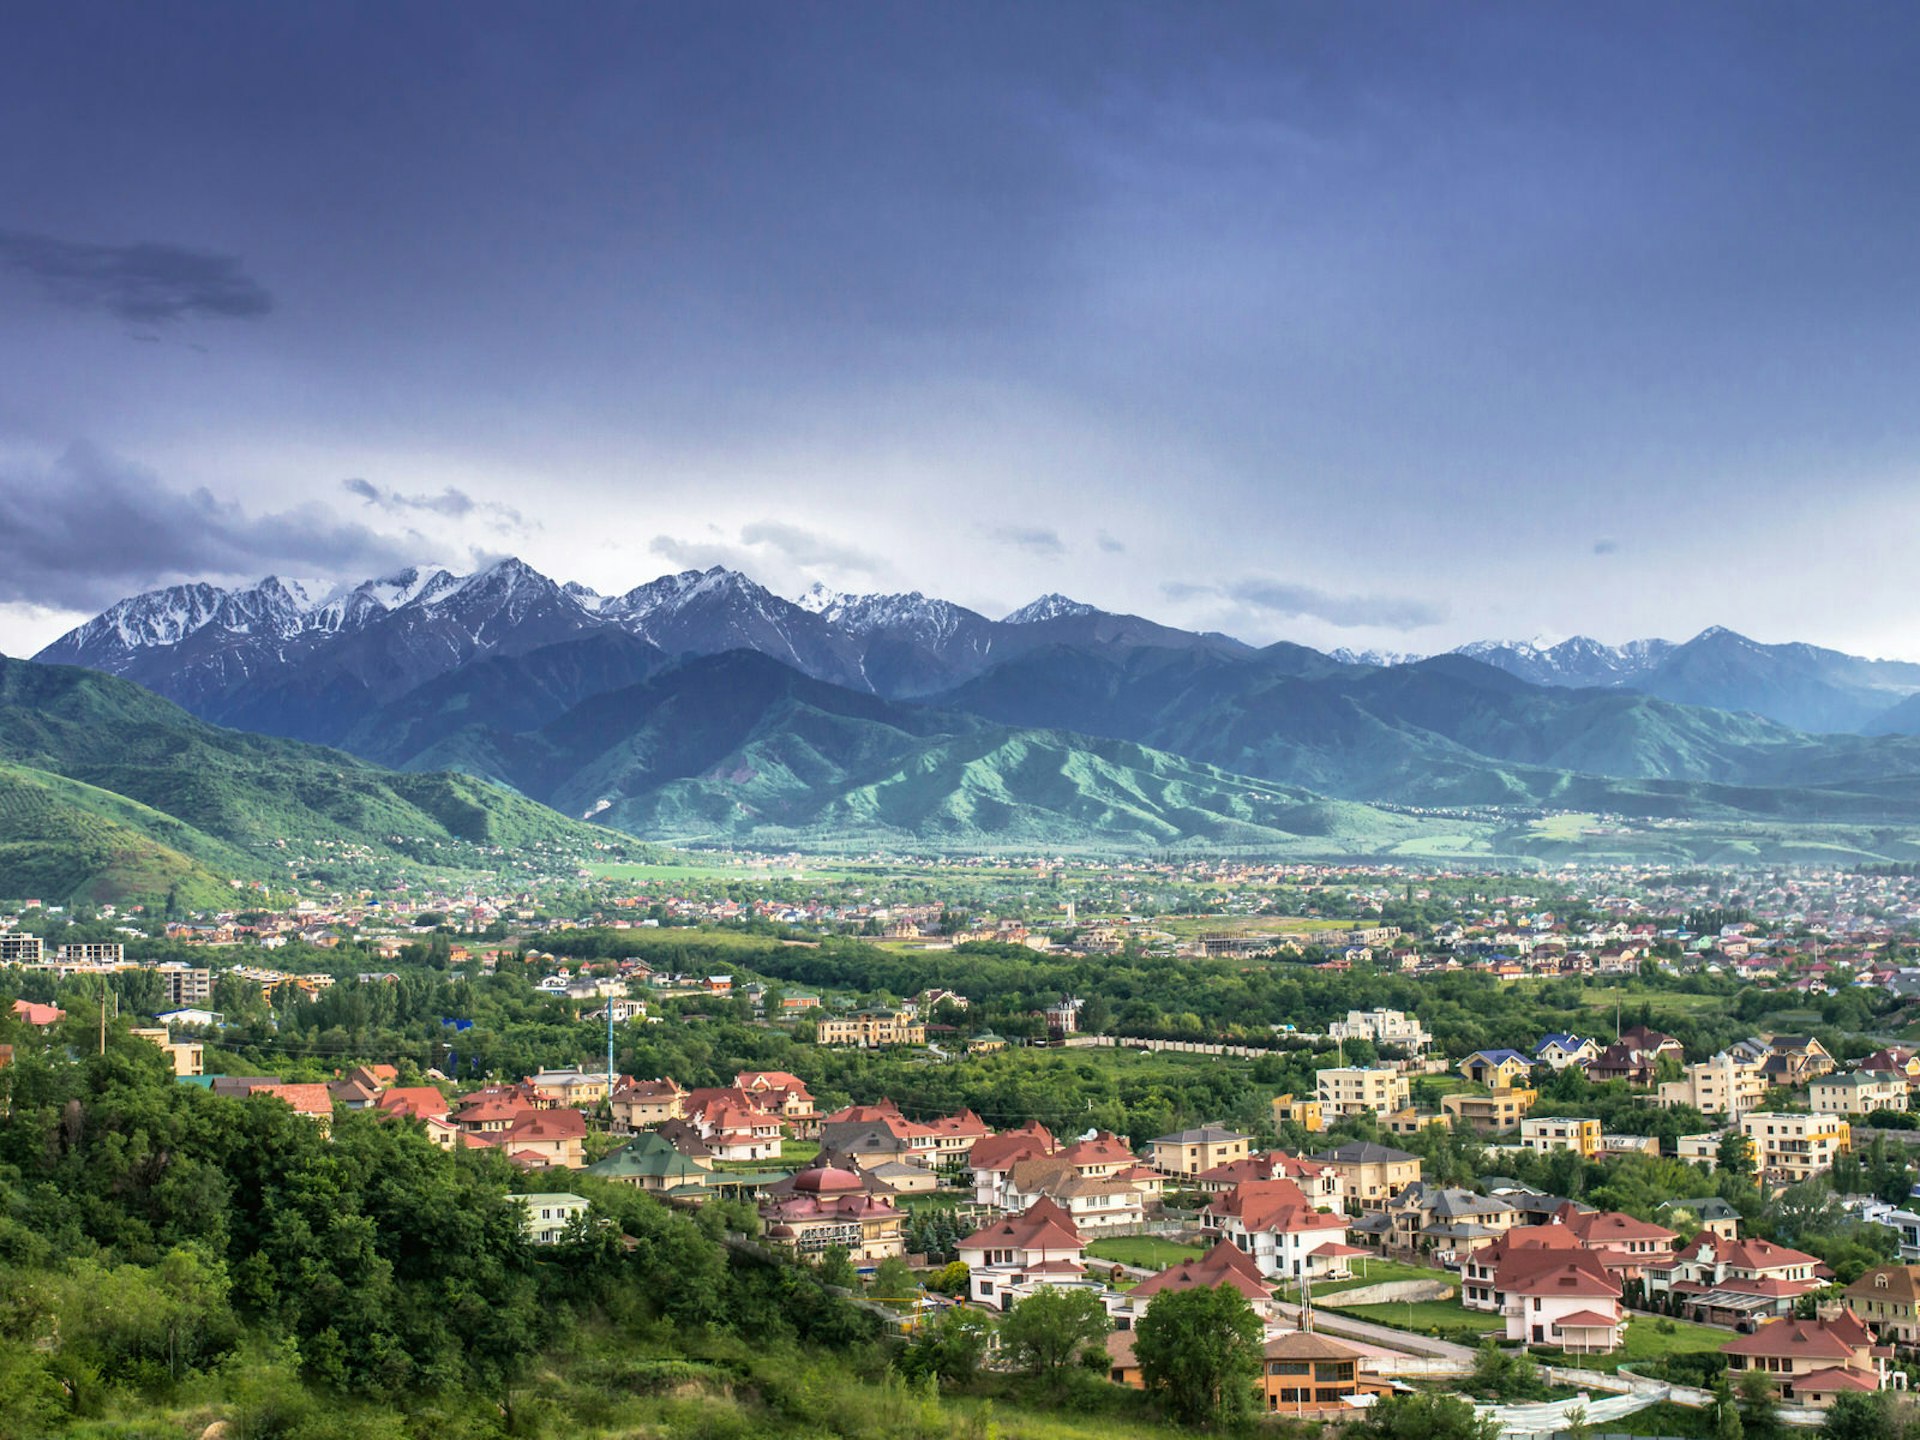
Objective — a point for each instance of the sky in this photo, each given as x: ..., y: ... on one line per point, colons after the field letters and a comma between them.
x: 1366, y: 325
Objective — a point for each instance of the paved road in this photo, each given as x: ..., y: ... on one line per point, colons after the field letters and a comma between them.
x: 1332, y: 1322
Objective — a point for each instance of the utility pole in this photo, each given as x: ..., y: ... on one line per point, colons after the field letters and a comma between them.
x: 103, y: 1013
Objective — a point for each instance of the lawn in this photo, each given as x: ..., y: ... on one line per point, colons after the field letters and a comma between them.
x: 1147, y: 1251
x: 1646, y: 1342
x: 1449, y: 1319
x: 1380, y: 1272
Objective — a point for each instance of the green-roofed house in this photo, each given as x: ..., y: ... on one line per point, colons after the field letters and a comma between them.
x: 985, y: 1043
x: 650, y: 1162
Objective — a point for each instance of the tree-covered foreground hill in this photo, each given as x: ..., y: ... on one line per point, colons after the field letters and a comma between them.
x: 170, y: 1259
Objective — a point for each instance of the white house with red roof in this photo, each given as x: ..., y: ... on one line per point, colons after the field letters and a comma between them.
x: 1480, y: 1267
x: 992, y: 1158
x: 1628, y: 1246
x: 1568, y: 1298
x: 1275, y: 1223
x: 784, y: 1094
x: 1015, y: 1255
x: 1727, y: 1282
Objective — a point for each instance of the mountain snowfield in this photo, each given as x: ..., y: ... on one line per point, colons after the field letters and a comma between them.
x: 246, y: 654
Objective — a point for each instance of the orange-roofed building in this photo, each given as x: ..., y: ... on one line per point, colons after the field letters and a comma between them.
x: 1729, y: 1282
x: 1476, y: 1289
x: 1099, y: 1156
x: 992, y: 1159
x: 1628, y: 1246
x: 38, y: 1015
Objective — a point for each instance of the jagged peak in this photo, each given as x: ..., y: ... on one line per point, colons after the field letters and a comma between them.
x: 1051, y: 606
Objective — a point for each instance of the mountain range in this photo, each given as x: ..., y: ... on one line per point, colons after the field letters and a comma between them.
x: 701, y: 706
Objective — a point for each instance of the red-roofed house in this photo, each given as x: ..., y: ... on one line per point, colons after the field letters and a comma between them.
x: 555, y: 1137
x: 1224, y: 1264
x: 311, y: 1100
x: 1477, y: 1273
x: 422, y: 1101
x: 992, y: 1159
x: 1727, y: 1282
x: 38, y: 1015
x: 785, y: 1095
x: 640, y: 1104
x: 1628, y: 1246
x: 1275, y: 1223
x: 1040, y: 1246
x: 1812, y: 1361
x: 1560, y: 1297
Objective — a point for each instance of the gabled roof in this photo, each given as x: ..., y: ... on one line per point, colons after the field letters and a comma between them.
x: 1578, y: 1273
x: 1756, y: 1255
x: 1501, y: 1057
x: 1042, y: 1226
x: 1587, y: 1320
x: 1308, y: 1345
x: 549, y: 1125
x: 1836, y: 1339
x: 1273, y: 1206
x: 1899, y: 1284
x: 421, y: 1100
x: 307, y: 1099
x: 1603, y: 1226
x: 1225, y: 1264
x: 999, y: 1152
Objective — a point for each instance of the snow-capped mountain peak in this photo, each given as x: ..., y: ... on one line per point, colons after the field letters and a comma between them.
x: 1051, y: 606
x: 818, y: 599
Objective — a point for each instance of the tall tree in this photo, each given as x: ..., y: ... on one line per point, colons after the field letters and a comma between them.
x: 1050, y: 1328
x: 1199, y: 1350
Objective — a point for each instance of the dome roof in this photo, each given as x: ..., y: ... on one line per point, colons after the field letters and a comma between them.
x: 826, y: 1180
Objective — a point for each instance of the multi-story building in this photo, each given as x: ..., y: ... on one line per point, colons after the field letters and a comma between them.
x: 1859, y: 1093
x: 92, y: 952
x: 1305, y: 1113
x: 872, y: 1029
x: 1558, y: 1051
x: 1355, y: 1089
x: 1370, y: 1174
x: 1383, y: 1027
x: 19, y: 949
x: 1502, y: 1108
x: 1701, y: 1149
x: 1732, y: 1282
x: 1009, y: 1253
x: 1496, y: 1068
x: 1188, y: 1152
x: 188, y: 1057
x: 1547, y: 1133
x: 1791, y: 1148
x: 1887, y: 1297
x: 1727, y: 1084
x: 1279, y: 1227
x: 828, y: 1206
x: 637, y: 1104
x: 184, y: 984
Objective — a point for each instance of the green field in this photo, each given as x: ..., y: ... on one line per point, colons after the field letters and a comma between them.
x: 1147, y: 1251
x: 1646, y: 1342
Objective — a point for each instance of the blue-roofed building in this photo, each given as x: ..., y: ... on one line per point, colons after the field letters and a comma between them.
x: 1557, y: 1052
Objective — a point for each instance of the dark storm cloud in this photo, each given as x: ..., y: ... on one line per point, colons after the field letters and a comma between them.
x: 90, y: 529
x: 147, y: 283
x: 452, y: 503
x: 1278, y: 598
x: 1035, y: 540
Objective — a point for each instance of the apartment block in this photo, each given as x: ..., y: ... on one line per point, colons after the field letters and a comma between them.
x: 1861, y: 1093
x: 1727, y: 1085
x: 1562, y: 1132
x: 1354, y: 1089
x: 184, y: 985
x: 92, y: 952
x: 17, y: 949
x: 1791, y: 1148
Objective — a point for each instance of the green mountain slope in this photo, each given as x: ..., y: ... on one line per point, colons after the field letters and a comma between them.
x: 62, y: 841
x: 222, y: 800
x: 739, y: 747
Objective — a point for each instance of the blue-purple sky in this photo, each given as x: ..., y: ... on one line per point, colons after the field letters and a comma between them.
x: 1363, y: 324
